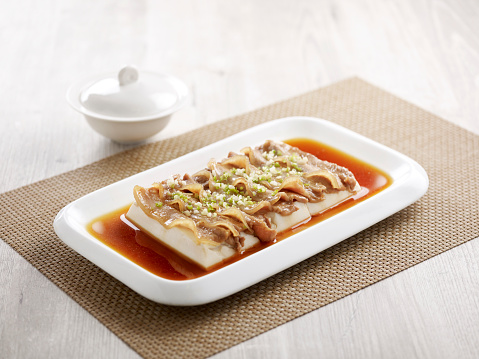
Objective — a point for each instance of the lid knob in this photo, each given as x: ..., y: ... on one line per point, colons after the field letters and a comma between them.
x: 127, y: 75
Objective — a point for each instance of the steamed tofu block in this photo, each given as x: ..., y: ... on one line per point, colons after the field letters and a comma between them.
x: 182, y: 240
x: 240, y: 201
x: 283, y: 223
x: 331, y: 199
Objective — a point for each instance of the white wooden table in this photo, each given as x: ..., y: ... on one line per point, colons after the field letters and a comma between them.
x: 237, y: 56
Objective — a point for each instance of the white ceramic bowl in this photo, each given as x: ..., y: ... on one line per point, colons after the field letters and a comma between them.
x: 128, y: 106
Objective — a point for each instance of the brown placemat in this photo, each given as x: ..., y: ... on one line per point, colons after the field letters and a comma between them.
x: 445, y: 217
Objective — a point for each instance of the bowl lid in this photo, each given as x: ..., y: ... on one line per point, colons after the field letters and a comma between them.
x: 129, y: 94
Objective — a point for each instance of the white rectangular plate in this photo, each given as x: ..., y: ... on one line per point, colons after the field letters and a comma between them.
x: 410, y: 182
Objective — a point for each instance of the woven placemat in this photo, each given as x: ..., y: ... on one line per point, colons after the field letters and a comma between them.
x: 445, y: 217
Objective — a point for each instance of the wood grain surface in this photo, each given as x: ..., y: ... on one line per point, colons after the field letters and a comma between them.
x: 237, y: 56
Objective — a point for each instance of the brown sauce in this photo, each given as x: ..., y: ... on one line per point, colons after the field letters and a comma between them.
x: 113, y: 229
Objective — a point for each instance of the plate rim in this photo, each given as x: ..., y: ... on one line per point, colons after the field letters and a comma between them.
x: 412, y: 185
